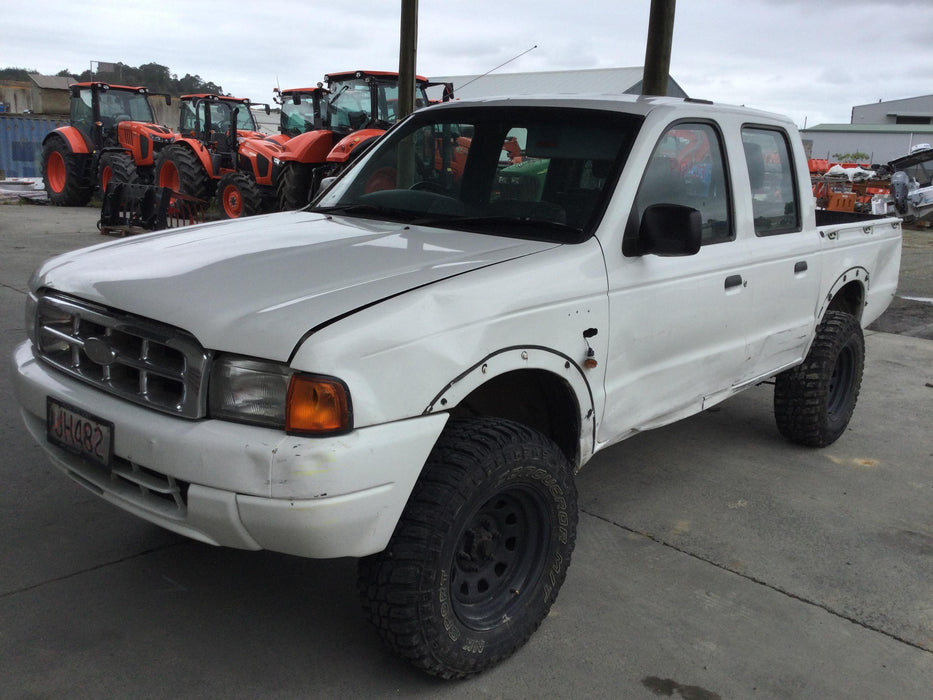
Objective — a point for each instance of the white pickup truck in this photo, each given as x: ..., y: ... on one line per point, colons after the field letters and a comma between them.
x: 412, y: 370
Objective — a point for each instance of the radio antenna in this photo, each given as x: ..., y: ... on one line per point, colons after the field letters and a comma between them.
x: 497, y: 67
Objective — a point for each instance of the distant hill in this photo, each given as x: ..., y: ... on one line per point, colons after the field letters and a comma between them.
x: 156, y: 77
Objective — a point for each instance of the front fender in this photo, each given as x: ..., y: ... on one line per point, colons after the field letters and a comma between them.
x: 309, y: 147
x: 341, y: 152
x: 520, y: 359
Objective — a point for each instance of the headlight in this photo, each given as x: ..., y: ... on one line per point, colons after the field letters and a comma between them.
x: 32, y: 305
x: 274, y: 395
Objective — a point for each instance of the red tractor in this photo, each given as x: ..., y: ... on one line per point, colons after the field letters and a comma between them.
x: 220, y: 148
x: 111, y: 136
x: 360, y: 107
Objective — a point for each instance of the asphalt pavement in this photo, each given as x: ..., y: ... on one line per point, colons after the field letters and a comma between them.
x: 713, y: 559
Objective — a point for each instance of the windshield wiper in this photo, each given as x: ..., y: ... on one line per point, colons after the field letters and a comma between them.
x: 502, y: 224
x: 368, y: 211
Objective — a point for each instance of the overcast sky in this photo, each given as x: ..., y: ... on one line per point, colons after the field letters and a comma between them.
x: 812, y: 60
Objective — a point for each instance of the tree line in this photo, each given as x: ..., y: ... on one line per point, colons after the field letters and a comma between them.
x: 156, y: 77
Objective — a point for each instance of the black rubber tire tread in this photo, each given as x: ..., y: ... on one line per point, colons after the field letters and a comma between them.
x: 193, y: 179
x: 122, y: 168
x: 246, y: 189
x: 78, y: 188
x: 406, y: 590
x: 814, y: 401
x: 293, y: 188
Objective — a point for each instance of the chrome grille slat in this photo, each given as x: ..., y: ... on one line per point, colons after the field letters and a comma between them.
x: 143, y: 361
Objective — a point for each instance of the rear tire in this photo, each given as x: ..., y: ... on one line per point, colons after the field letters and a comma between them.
x: 116, y: 166
x: 480, y: 551
x: 814, y: 401
x: 179, y: 169
x: 293, y: 188
x: 63, y: 172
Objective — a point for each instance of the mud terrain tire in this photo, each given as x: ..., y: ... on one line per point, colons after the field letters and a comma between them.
x: 479, y: 553
x: 814, y: 401
x: 63, y: 173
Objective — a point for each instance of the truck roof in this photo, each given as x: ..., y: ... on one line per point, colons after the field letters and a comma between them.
x: 631, y: 104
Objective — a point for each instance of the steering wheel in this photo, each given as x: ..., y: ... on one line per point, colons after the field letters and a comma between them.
x: 428, y: 186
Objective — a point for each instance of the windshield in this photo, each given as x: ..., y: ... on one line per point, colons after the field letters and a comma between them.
x: 350, y: 105
x: 529, y: 172
x: 304, y: 116
x: 124, y: 105
x: 221, y: 113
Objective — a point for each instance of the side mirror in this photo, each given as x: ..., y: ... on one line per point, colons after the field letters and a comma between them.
x: 670, y: 230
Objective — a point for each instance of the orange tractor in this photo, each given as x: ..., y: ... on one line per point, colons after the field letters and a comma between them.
x: 360, y: 107
x: 219, y: 148
x: 112, y: 136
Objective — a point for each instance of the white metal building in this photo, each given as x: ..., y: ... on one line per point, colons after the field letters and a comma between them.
x: 882, y: 130
x: 593, y: 80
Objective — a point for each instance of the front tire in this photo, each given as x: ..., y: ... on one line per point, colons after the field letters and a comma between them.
x: 814, y: 401
x: 480, y: 552
x: 63, y: 174
x: 293, y: 188
x: 116, y: 167
x: 239, y: 196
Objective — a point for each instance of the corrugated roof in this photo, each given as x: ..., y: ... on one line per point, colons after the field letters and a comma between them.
x: 51, y: 82
x: 588, y: 81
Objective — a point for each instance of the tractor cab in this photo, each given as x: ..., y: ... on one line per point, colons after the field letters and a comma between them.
x: 202, y: 116
x: 303, y: 110
x: 98, y: 108
x: 367, y: 100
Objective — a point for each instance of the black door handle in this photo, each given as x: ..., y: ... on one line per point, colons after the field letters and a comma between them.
x: 800, y: 267
x: 733, y: 281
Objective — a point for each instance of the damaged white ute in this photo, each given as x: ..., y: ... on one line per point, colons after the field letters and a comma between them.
x: 412, y: 370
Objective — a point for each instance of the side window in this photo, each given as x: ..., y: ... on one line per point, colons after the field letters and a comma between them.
x: 687, y: 168
x: 771, y: 175
x: 81, y: 111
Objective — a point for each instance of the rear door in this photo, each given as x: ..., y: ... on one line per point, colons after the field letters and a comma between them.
x: 784, y: 271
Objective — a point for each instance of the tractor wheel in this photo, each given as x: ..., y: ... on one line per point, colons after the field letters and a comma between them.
x: 239, y: 196
x: 814, y: 401
x: 180, y: 169
x: 64, y: 175
x: 480, y: 551
x: 116, y: 166
x: 294, y: 186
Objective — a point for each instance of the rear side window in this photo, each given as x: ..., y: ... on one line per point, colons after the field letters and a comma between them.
x: 771, y: 174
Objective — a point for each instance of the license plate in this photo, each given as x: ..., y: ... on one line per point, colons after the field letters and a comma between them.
x: 79, y: 432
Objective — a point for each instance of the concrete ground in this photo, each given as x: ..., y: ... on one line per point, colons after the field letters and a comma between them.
x: 713, y: 560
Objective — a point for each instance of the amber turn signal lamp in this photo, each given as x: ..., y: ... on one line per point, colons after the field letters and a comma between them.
x: 317, y: 405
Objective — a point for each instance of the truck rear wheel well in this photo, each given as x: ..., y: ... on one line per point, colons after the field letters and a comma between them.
x: 849, y: 299
x: 535, y: 398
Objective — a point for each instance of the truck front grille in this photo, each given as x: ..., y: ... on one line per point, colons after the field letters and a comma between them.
x: 149, y: 363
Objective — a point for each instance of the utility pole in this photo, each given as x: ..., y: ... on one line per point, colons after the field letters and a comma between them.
x: 407, y: 58
x: 658, y: 50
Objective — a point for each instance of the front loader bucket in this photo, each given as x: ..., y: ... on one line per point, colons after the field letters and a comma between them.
x: 129, y: 209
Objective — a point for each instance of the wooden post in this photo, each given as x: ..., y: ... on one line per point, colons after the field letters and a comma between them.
x: 658, y: 49
x: 407, y: 58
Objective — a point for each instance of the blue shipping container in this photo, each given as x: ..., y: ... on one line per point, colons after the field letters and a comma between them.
x: 21, y: 143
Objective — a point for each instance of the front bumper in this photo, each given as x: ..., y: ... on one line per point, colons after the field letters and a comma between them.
x: 239, y: 485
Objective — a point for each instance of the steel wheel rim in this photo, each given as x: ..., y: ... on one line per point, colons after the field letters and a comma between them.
x: 233, y: 202
x: 499, y: 555
x: 168, y: 176
x: 56, y: 172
